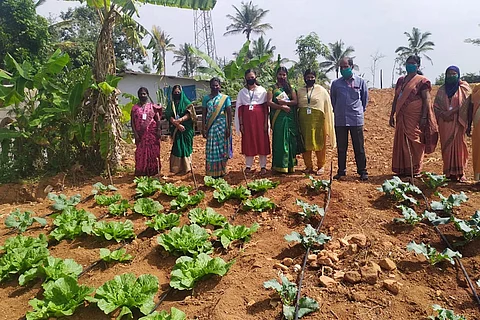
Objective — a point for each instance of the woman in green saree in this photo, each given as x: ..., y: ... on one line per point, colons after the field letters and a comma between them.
x: 181, y: 115
x: 283, y: 99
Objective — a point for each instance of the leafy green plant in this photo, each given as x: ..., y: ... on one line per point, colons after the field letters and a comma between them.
x: 288, y: 292
x: 120, y: 255
x: 51, y: 270
x: 146, y: 186
x: 22, y: 254
x: 104, y: 200
x: 318, y: 185
x: 434, y: 181
x: 60, y: 299
x: 434, y: 219
x: 161, y: 222
x: 188, y: 240
x: 470, y: 229
x: 72, y: 223
x: 262, y: 185
x: 447, y: 204
x: 100, y: 188
x: 117, y: 209
x: 310, y: 238
x: 432, y: 255
x: 172, y: 190
x: 174, y: 314
x: 258, y: 204
x: 208, y: 216
x: 230, y: 233
x: 399, y: 190
x: 309, y: 210
x: 126, y: 292
x: 226, y: 192
x: 20, y: 221
x: 214, y: 182
x: 115, y: 230
x: 409, y: 216
x: 62, y: 202
x: 184, y: 200
x: 445, y: 314
x: 188, y: 271
x: 147, y: 207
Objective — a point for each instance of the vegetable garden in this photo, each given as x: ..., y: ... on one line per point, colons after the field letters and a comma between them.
x: 273, y: 248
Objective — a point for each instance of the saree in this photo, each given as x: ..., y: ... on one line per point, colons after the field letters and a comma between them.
x: 284, y: 136
x: 251, y: 107
x: 147, y: 153
x: 411, y: 142
x: 475, y: 101
x: 217, y: 150
x: 452, y: 133
x: 182, y: 148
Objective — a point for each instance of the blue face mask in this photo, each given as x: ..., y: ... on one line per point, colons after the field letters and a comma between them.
x: 346, y: 73
x: 411, y: 67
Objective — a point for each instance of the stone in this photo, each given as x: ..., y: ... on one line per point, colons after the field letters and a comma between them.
x: 314, y: 264
x: 392, y: 285
x: 325, y: 261
x: 297, y: 268
x: 343, y: 242
x: 312, y: 257
x: 375, y: 266
x: 339, y: 275
x: 351, y: 250
x: 251, y: 303
x: 280, y: 267
x: 387, y: 264
x: 327, y: 271
x: 287, y: 262
x: 289, y: 277
x: 352, y: 277
x: 369, y: 274
x: 327, y: 281
x: 332, y: 245
x: 358, y: 238
x: 333, y: 256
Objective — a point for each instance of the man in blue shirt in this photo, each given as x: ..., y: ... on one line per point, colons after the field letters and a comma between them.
x: 349, y: 96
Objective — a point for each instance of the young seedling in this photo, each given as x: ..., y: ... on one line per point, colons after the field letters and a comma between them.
x: 52, y: 269
x: 184, y: 200
x: 262, y: 185
x: 470, y: 229
x: 409, y: 216
x: 120, y: 255
x: 104, y: 200
x: 310, y: 238
x: 447, y: 204
x: 72, y: 223
x: 62, y: 202
x: 445, y: 314
x: 434, y: 219
x: 20, y: 221
x: 118, y: 209
x: 432, y: 255
x: 434, y: 181
x: 205, y: 217
x: 146, y: 186
x: 114, y: 230
x: 174, y: 314
x: 187, y: 240
x: 100, y: 188
x: 225, y: 192
x: 147, y: 207
x: 288, y: 292
x: 172, y: 190
x: 309, y: 210
x: 162, y: 222
x: 399, y: 190
x: 230, y: 233
x: 214, y: 183
x: 259, y: 204
x: 318, y: 185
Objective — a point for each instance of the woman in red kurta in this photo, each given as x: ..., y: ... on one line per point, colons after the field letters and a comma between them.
x: 251, y: 119
x: 145, y: 121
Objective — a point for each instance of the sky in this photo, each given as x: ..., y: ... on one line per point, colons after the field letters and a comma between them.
x: 369, y: 26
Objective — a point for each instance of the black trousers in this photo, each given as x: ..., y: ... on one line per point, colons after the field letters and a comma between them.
x: 358, y: 147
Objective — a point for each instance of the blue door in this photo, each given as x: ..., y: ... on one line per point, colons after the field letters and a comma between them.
x: 190, y: 92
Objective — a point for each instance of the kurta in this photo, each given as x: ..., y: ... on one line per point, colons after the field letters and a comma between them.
x: 475, y: 100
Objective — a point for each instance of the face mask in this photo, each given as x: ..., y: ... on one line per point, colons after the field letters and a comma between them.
x: 143, y: 98
x: 411, y: 67
x: 282, y: 81
x: 251, y: 82
x: 176, y: 96
x: 346, y: 73
x: 310, y: 82
x: 451, y: 79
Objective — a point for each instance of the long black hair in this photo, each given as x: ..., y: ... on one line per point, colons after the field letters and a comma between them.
x: 418, y: 62
x: 287, y: 87
x: 143, y: 89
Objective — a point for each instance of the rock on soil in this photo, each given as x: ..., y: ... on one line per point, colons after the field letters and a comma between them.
x: 387, y: 264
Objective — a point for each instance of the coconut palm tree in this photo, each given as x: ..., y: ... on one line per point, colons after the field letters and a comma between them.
x: 418, y: 44
x: 160, y: 43
x: 247, y: 20
x: 188, y: 60
x: 337, y: 52
x: 261, y: 47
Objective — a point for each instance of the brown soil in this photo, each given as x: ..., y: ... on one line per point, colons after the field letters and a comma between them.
x: 355, y: 207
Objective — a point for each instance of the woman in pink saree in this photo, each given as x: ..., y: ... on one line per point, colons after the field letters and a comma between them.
x: 412, y: 116
x: 451, y: 110
x: 145, y: 121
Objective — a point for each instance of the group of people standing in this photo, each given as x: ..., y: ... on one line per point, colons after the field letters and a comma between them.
x: 419, y: 123
x: 306, y: 119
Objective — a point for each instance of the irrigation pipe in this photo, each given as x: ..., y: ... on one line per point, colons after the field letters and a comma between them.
x: 307, y: 252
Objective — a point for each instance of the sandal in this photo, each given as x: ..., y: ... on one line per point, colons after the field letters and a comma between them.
x: 320, y: 171
x: 247, y: 170
x: 263, y: 171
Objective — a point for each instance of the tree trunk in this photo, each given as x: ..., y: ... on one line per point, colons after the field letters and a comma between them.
x: 105, y: 108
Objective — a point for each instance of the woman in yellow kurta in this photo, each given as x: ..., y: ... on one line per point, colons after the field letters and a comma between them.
x: 474, y: 117
x: 315, y: 115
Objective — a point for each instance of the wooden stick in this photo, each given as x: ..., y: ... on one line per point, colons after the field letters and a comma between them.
x: 193, y: 175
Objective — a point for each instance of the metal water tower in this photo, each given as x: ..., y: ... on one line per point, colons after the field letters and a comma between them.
x: 204, y: 35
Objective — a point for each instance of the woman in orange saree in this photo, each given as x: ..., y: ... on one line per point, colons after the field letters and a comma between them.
x: 416, y: 131
x: 451, y: 110
x: 474, y: 118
